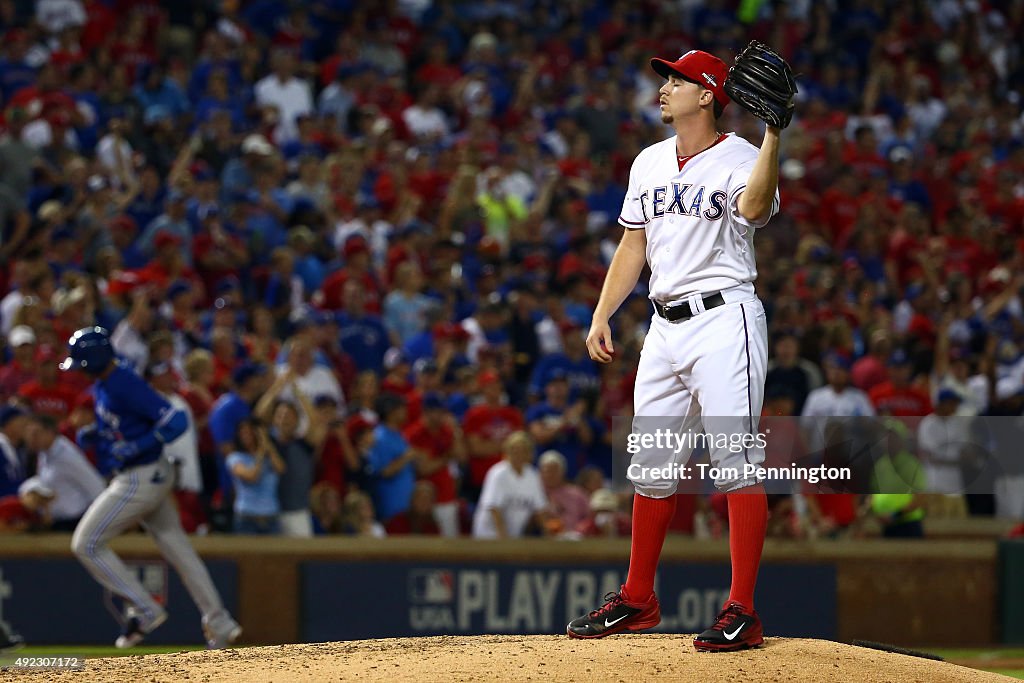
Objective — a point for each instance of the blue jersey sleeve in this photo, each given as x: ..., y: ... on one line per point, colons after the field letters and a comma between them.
x: 147, y: 418
x: 144, y: 401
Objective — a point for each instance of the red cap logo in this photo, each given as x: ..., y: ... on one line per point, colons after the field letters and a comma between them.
x: 699, y: 67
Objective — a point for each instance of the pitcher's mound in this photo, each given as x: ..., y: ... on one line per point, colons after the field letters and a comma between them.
x: 626, y: 658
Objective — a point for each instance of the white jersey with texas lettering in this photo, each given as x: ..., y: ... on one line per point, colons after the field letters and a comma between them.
x: 697, y: 241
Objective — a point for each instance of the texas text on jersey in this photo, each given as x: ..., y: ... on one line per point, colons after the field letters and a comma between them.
x: 697, y: 240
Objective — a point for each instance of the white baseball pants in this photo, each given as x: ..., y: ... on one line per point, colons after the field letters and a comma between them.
x: 703, y: 375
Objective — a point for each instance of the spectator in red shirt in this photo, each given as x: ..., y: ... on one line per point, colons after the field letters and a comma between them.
x: 862, y: 156
x: 131, y: 47
x: 217, y: 253
x: 962, y: 252
x: 437, y: 70
x: 830, y: 514
x: 839, y: 208
x: 419, y: 519
x: 168, y: 264
x: 486, y: 426
x: 396, y: 378
x: 870, y: 370
x: 897, y: 397
x: 340, y: 460
x: 605, y: 520
x: 224, y: 358
x: 20, y: 369
x: 569, y: 504
x: 438, y: 435
x: 48, y: 394
x: 197, y: 390
x: 356, y: 253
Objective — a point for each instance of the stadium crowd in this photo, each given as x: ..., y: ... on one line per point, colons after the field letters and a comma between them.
x: 361, y: 242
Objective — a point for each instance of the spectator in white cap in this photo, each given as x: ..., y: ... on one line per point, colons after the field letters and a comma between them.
x: 19, y: 370
x: 566, y: 501
x: 239, y: 175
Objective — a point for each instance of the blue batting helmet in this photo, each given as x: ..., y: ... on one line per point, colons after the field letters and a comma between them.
x: 89, y: 350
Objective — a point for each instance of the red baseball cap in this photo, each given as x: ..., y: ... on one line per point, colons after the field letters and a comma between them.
x: 123, y: 222
x: 699, y: 67
x: 488, y: 377
x: 123, y: 282
x: 357, y: 426
x: 355, y: 245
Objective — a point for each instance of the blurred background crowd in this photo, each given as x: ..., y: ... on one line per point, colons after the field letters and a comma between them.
x: 361, y: 243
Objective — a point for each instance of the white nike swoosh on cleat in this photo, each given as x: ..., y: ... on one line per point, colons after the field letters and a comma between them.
x: 609, y: 624
x: 730, y: 636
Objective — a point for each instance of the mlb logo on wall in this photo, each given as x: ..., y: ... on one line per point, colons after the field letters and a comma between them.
x: 431, y: 586
x: 153, y: 577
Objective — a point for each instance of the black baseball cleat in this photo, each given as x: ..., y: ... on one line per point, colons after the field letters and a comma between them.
x: 734, y: 629
x: 615, y: 616
x: 135, y: 631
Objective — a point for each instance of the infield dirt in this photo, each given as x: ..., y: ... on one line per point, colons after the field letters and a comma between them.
x: 626, y: 658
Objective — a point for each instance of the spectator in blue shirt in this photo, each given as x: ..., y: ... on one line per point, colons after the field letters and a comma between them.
x: 255, y: 467
x: 219, y: 97
x: 405, y: 308
x: 557, y: 424
x: 174, y: 221
x: 12, y: 468
x: 15, y: 71
x: 239, y: 174
x: 148, y: 203
x: 391, y: 462
x: 216, y: 57
x: 155, y: 89
x: 363, y: 335
x: 573, y: 364
x: 231, y: 409
x: 903, y: 185
x: 310, y: 269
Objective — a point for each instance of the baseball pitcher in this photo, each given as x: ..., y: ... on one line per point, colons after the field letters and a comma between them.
x: 693, y: 204
x: 133, y: 423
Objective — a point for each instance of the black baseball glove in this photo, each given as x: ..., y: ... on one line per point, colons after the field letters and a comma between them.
x: 762, y: 83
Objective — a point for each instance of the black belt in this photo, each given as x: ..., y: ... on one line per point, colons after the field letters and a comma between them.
x: 681, y: 311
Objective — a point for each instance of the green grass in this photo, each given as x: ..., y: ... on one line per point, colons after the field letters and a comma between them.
x: 977, y: 657
x: 978, y: 652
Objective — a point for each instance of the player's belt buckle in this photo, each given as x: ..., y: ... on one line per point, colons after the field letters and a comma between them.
x: 682, y: 311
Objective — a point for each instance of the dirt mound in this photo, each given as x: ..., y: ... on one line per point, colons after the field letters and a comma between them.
x: 624, y: 658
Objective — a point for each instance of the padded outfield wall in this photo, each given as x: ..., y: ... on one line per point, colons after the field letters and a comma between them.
x: 290, y: 590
